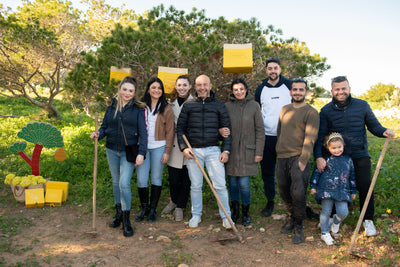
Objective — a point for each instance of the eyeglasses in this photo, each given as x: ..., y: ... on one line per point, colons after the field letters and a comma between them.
x: 339, y: 79
x: 272, y: 59
x: 299, y: 80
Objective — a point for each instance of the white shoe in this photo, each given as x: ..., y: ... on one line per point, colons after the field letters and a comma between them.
x: 194, y: 221
x: 370, y: 229
x: 328, y: 239
x: 226, y: 224
x: 334, y: 226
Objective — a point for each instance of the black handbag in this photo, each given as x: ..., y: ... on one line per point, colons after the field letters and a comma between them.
x: 131, y: 150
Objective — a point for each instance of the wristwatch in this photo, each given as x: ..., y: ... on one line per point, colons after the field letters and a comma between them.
x: 227, y: 152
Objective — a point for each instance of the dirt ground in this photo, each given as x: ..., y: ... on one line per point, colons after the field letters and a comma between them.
x: 58, y: 236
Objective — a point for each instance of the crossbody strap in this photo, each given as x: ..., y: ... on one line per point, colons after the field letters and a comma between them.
x: 123, y: 132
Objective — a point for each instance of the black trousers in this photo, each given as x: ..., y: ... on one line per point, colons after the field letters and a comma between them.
x: 268, y: 167
x: 292, y: 185
x: 362, y: 168
x: 179, y: 186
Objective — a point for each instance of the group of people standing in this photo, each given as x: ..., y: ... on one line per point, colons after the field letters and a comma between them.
x: 277, y: 128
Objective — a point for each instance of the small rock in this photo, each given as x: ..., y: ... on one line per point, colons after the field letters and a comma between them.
x: 210, y: 227
x: 164, y: 239
x: 151, y: 237
x: 150, y: 229
x: 309, y: 238
x: 278, y: 252
x: 262, y: 230
x: 258, y: 260
x: 183, y: 265
x: 217, y: 230
x: 279, y: 217
x: 140, y: 238
x: 249, y: 238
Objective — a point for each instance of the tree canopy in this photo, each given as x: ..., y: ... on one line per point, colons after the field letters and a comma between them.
x: 172, y: 38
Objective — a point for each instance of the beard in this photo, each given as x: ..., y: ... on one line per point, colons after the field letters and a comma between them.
x: 273, y: 78
x: 298, y: 100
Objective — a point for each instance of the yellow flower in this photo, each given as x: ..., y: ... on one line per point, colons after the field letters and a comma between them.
x: 388, y: 211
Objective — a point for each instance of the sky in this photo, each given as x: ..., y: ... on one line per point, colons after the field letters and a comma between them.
x: 360, y: 39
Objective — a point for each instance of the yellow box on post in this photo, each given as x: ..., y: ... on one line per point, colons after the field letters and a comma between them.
x: 59, y: 185
x: 119, y: 74
x: 34, y: 197
x: 54, y: 197
x: 168, y: 76
x: 238, y: 58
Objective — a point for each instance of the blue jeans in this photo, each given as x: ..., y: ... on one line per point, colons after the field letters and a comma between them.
x: 121, y: 173
x: 216, y: 169
x: 240, y: 184
x: 153, y: 163
x: 341, y: 213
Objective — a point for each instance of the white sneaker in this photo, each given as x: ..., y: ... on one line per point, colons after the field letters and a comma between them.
x: 334, y: 226
x: 370, y: 229
x: 226, y: 224
x: 194, y: 221
x: 328, y: 239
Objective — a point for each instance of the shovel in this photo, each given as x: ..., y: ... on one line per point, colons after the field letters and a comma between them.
x: 239, y: 236
x: 93, y: 232
x: 371, y: 188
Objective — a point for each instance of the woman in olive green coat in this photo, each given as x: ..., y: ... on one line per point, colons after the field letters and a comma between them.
x: 247, y: 147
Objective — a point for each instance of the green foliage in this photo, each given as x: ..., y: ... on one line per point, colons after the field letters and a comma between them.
x: 170, y: 37
x: 41, y: 133
x: 18, y: 146
x: 380, y: 92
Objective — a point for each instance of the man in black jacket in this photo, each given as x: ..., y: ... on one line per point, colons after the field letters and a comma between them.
x: 200, y: 120
x: 349, y: 116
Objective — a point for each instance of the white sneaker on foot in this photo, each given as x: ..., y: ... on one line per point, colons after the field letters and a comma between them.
x: 194, y: 221
x: 226, y: 224
x: 327, y: 239
x: 370, y: 229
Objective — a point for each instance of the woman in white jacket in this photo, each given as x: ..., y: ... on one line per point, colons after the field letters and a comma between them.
x: 179, y: 182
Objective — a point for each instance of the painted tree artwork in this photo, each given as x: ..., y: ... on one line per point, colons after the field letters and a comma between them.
x: 42, y: 135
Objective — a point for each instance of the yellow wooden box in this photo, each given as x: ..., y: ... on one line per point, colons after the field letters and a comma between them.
x: 238, y: 58
x: 119, y: 74
x: 58, y: 185
x: 168, y: 76
x: 34, y: 197
x: 54, y: 197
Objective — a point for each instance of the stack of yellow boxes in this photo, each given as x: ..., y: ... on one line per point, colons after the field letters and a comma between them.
x: 238, y: 58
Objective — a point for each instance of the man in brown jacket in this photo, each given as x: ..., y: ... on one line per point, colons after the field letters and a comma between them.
x: 297, y: 132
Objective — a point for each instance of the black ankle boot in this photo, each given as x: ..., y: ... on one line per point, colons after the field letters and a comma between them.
x: 269, y: 208
x: 155, y: 196
x: 144, y: 202
x: 288, y: 226
x: 126, y: 223
x: 298, y: 236
x: 118, y: 217
x: 235, y: 212
x: 246, y: 215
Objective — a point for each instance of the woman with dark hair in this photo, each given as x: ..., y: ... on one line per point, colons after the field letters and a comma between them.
x: 247, y: 147
x: 125, y: 114
x: 179, y: 182
x: 160, y: 130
